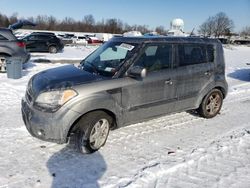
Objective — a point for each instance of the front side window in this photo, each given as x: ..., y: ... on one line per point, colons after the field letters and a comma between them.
x: 156, y: 57
x: 108, y: 58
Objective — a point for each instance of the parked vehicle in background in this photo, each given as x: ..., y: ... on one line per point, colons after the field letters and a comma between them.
x: 43, y: 33
x: 104, y: 37
x: 81, y: 40
x: 68, y: 36
x: 93, y: 40
x: 132, y: 34
x: 10, y: 46
x: 124, y: 81
x: 43, y: 42
x: 21, y: 34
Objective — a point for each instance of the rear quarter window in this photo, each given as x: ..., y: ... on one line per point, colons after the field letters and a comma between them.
x: 190, y: 54
x: 210, y: 52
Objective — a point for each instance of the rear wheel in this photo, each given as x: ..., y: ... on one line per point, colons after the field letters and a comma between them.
x: 92, y: 131
x: 52, y: 49
x: 211, y: 104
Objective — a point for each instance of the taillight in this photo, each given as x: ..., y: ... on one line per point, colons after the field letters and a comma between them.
x: 21, y: 44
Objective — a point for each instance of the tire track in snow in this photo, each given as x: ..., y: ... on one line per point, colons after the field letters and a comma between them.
x: 219, y: 165
x: 172, y: 122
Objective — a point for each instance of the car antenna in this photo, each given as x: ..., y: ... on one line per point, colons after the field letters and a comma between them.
x: 192, y: 32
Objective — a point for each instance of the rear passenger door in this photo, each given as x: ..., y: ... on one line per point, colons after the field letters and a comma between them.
x: 195, y: 70
x: 31, y: 43
x: 43, y: 42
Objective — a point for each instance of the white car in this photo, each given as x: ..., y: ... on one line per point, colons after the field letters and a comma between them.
x: 80, y: 40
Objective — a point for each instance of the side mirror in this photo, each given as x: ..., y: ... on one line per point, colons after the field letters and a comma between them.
x: 137, y: 71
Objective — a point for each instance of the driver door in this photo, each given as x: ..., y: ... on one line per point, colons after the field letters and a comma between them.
x: 156, y: 93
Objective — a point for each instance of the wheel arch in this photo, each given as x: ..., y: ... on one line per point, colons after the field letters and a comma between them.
x: 223, y: 91
x: 205, y: 91
x: 73, y: 127
x: 5, y: 54
x: 53, y: 45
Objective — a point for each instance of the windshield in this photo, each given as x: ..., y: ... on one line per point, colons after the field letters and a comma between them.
x: 108, y: 58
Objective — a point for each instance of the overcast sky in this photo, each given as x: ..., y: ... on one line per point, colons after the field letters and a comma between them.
x: 143, y: 12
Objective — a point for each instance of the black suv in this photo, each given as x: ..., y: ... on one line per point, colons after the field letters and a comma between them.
x: 43, y: 42
x: 124, y: 81
x: 10, y: 46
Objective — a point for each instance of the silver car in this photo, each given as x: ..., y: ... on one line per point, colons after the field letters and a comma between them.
x: 124, y: 81
x: 10, y: 46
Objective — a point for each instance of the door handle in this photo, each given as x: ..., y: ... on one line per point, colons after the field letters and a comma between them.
x: 169, y: 82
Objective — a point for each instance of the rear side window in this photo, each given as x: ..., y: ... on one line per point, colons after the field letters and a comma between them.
x: 43, y: 37
x: 210, y: 53
x: 190, y: 54
x: 2, y: 38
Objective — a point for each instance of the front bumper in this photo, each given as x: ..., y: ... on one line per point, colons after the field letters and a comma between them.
x: 51, y: 127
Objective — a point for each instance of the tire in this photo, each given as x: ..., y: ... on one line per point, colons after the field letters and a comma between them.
x: 53, y: 49
x: 211, y: 104
x: 92, y: 131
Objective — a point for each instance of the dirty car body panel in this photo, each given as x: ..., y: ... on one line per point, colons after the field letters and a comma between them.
x: 168, y: 88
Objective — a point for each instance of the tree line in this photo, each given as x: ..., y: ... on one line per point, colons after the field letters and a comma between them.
x: 87, y: 24
x: 220, y: 25
x: 215, y: 26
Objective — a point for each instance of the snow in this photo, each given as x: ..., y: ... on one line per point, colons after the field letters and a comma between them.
x: 177, y: 150
x: 68, y: 53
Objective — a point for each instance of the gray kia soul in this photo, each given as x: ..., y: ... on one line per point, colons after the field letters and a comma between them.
x: 124, y: 81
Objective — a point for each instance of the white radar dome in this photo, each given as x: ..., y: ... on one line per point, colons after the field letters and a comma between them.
x: 177, y: 24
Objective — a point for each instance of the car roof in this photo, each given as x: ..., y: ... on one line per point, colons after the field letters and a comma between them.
x: 171, y: 39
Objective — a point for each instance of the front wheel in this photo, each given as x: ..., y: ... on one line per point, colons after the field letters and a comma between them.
x: 211, y: 104
x: 93, y: 130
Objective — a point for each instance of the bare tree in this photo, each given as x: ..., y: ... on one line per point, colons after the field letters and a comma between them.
x: 223, y: 24
x: 216, y: 26
x: 52, y: 23
x: 13, y: 18
x: 161, y: 30
x: 207, y: 28
x: 245, y: 32
x: 113, y: 25
x: 87, y: 24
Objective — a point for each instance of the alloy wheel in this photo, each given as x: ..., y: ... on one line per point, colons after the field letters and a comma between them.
x: 99, y: 133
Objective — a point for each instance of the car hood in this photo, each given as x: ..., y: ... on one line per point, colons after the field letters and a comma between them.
x: 61, y: 77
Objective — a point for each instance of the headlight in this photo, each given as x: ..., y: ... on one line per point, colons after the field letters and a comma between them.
x: 52, y: 100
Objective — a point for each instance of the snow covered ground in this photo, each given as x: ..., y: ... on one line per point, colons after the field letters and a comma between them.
x: 177, y: 150
x: 68, y: 53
